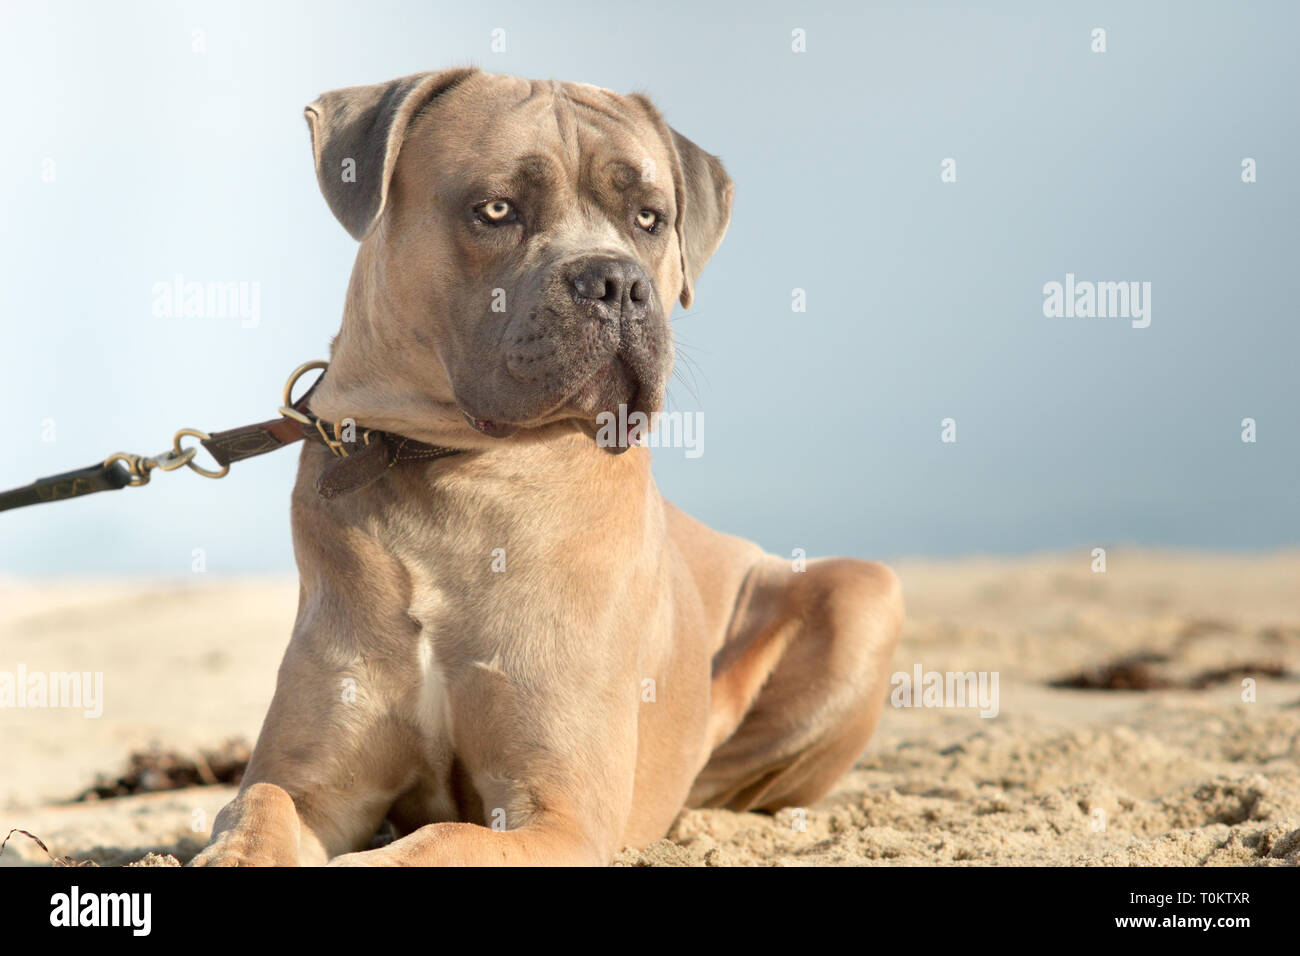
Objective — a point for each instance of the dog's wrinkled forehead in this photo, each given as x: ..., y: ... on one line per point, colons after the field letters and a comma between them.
x: 496, y: 101
x: 501, y: 134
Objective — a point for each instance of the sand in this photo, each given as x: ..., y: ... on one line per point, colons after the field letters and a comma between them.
x: 1185, y: 773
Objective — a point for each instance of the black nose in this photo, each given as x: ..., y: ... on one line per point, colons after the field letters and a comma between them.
x: 613, y: 288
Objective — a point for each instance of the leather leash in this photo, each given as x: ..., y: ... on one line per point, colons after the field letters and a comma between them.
x: 362, y: 455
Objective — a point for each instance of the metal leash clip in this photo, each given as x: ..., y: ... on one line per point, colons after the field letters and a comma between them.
x: 141, y: 466
x: 175, y: 457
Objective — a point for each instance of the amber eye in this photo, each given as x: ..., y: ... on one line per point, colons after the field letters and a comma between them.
x: 647, y: 219
x: 496, y: 212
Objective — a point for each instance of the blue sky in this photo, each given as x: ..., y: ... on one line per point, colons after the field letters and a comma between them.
x: 147, y: 141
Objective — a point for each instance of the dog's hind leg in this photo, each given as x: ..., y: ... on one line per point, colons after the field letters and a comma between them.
x: 800, y: 683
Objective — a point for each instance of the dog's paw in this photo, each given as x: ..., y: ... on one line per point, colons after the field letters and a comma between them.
x: 363, y: 858
x: 235, y: 850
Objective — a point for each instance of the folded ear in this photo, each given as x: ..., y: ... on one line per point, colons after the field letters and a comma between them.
x: 355, y: 137
x: 705, y: 190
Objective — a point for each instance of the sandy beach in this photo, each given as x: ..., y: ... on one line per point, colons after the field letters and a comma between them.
x: 1148, y: 715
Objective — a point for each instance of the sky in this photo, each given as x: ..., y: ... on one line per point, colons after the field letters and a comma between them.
x: 914, y: 175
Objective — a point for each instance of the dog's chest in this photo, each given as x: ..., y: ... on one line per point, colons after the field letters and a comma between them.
x: 444, y: 788
x: 433, y: 797
x: 432, y: 705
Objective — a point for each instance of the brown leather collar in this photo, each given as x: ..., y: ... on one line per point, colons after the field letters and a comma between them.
x: 362, y: 455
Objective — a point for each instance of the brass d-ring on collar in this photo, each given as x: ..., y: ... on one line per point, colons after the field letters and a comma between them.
x: 286, y: 399
x: 330, y: 434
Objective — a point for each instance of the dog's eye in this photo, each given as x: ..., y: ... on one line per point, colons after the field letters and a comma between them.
x: 497, y: 211
x: 648, y: 220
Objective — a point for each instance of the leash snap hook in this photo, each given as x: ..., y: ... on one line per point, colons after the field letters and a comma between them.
x: 137, y: 465
x: 140, y: 466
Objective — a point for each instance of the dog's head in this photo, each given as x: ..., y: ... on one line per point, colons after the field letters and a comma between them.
x: 522, y: 243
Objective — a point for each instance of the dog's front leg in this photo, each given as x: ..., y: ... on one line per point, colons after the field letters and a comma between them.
x: 260, y: 827
x: 301, y: 801
x: 552, y: 760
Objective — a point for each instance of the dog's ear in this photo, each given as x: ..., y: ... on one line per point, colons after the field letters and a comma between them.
x: 703, y: 192
x: 705, y: 189
x: 355, y: 137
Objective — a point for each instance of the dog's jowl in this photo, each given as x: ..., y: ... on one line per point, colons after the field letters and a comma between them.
x: 520, y: 653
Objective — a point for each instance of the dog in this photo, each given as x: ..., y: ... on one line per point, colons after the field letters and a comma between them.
x: 521, y: 654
